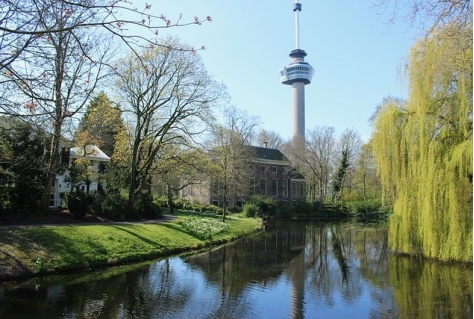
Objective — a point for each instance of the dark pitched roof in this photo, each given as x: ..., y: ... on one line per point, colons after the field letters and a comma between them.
x: 269, y: 153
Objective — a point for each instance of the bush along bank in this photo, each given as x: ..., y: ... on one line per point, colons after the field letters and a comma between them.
x: 34, y: 251
x: 361, y: 211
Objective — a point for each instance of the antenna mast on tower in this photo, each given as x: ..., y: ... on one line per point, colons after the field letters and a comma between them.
x: 297, y: 74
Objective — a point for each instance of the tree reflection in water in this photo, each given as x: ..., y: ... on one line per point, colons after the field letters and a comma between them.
x: 297, y: 270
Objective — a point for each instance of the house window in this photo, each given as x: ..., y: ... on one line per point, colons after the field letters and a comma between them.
x: 274, y: 187
x: 274, y: 169
x: 263, y: 187
x: 262, y: 168
x: 285, y: 188
x: 300, y: 189
x: 51, y: 200
x: 293, y: 189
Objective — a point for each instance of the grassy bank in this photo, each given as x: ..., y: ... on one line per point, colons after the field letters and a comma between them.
x: 46, y: 249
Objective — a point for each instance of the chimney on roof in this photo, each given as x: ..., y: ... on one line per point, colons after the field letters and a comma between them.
x: 265, y: 144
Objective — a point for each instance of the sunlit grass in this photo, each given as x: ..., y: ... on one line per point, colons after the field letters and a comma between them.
x: 53, y: 248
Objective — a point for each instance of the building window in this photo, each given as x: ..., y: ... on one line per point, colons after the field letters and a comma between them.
x: 215, y: 203
x: 285, y: 188
x: 263, y: 187
x: 274, y: 187
x: 300, y: 189
x: 293, y: 189
x: 262, y: 168
x: 274, y: 169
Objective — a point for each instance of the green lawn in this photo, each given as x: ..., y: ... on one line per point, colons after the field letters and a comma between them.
x: 29, y: 251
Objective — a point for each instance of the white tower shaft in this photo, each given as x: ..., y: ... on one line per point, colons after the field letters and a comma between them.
x: 297, y: 89
x: 297, y: 26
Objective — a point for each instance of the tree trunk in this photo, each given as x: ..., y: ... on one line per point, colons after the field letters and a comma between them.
x: 51, y: 171
x: 224, y: 206
x: 169, y: 193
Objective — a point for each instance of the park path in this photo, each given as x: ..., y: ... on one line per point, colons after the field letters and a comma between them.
x: 163, y: 219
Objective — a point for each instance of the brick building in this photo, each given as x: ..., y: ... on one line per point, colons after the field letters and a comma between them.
x: 270, y: 175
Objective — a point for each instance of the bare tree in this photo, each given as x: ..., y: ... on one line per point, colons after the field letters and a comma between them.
x: 269, y: 139
x: 167, y: 96
x: 22, y: 22
x: 431, y: 13
x: 180, y: 166
x: 53, y: 78
x: 366, y: 180
x: 230, y: 154
x: 348, y: 150
x: 318, y: 160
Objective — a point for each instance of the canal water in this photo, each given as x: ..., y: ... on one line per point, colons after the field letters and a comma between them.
x: 296, y: 270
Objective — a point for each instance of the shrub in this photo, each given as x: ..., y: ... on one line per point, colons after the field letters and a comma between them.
x: 144, y: 207
x: 318, y: 205
x: 212, y: 209
x: 95, y: 200
x: 180, y: 203
x: 363, y: 207
x: 113, y: 204
x: 285, y: 210
x: 303, y: 208
x: 250, y: 210
x: 77, y: 203
x: 161, y: 201
x: 266, y: 205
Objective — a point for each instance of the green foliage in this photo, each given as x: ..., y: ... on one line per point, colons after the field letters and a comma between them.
x: 113, y: 205
x: 285, y: 210
x: 266, y: 205
x: 21, y: 165
x: 303, y: 209
x: 423, y: 150
x: 102, y: 122
x: 144, y: 206
x: 109, y: 205
x: 181, y: 203
x: 161, y: 201
x: 338, y: 179
x: 250, y: 210
x: 369, y: 209
x: 78, y: 203
x: 204, y: 228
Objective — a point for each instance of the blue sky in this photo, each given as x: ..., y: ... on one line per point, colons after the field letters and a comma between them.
x: 357, y: 56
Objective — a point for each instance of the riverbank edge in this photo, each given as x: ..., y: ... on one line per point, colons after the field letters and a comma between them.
x: 27, y: 268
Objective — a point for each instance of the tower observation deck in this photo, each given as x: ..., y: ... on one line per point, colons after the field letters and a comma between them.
x: 297, y: 74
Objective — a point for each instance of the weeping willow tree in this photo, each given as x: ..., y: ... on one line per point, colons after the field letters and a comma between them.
x: 423, y: 149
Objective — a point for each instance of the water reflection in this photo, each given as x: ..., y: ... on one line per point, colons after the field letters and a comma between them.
x: 295, y: 271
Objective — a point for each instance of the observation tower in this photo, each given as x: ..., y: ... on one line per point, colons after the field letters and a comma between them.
x: 297, y: 74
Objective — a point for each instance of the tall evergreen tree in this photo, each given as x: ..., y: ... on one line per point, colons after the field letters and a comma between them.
x: 102, y: 122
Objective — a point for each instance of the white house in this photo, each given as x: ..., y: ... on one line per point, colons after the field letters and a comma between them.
x: 95, y: 157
